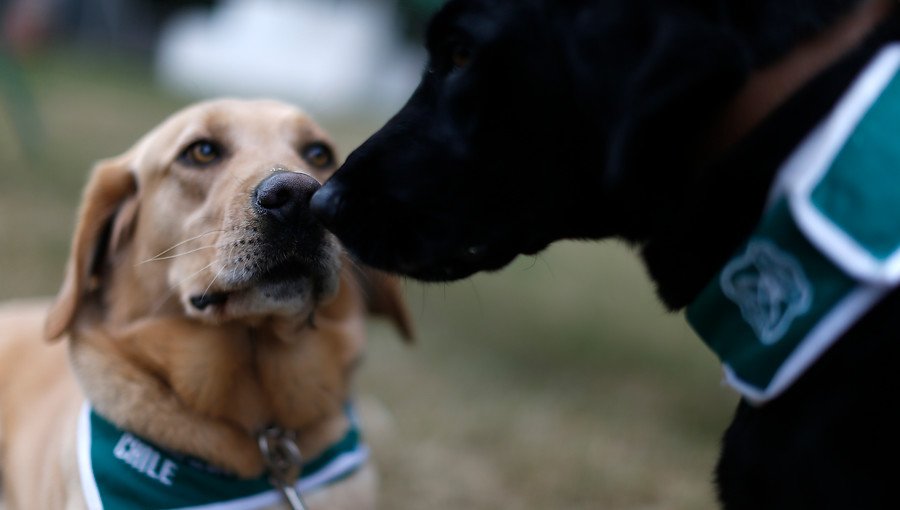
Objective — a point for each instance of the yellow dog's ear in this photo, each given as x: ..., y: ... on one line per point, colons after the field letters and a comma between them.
x: 110, y: 185
x: 384, y: 296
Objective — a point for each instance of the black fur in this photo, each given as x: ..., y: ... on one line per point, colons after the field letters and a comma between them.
x: 584, y: 119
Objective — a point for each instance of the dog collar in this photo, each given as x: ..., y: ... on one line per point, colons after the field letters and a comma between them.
x: 826, y: 250
x: 120, y: 471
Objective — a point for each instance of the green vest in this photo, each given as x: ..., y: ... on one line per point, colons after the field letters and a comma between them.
x: 826, y: 250
x: 120, y: 471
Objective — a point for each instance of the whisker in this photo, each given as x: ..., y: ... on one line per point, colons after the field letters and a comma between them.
x: 162, y: 300
x: 424, y: 291
x: 213, y: 281
x: 477, y: 296
x: 181, y: 243
x: 156, y: 258
x: 174, y: 288
x: 204, y: 268
x: 547, y: 264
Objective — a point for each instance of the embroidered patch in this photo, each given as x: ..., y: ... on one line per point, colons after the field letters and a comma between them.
x: 769, y: 287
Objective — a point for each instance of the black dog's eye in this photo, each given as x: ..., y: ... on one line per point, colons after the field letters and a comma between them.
x: 201, y: 153
x: 318, y: 155
x: 452, y: 53
x: 460, y: 55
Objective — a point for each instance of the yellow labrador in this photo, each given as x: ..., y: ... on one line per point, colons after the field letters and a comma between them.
x: 202, y: 305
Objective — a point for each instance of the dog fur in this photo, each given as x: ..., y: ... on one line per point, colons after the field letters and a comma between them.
x: 201, y: 304
x: 539, y: 120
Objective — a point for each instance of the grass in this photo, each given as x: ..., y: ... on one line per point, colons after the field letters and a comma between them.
x: 558, y: 382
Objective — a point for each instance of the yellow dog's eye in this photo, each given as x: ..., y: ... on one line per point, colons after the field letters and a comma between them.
x: 201, y: 153
x: 318, y: 155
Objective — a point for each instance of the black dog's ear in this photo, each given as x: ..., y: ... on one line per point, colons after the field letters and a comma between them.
x: 697, y: 59
x: 691, y: 68
x: 772, y: 27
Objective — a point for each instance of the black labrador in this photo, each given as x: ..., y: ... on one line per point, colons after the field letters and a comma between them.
x: 652, y: 121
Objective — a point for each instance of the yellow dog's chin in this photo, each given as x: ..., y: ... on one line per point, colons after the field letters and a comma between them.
x: 292, y: 287
x: 290, y: 298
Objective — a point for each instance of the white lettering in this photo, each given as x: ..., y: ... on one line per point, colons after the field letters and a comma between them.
x: 121, y: 449
x: 167, y: 472
x: 145, y: 459
x: 142, y: 455
x: 152, y: 462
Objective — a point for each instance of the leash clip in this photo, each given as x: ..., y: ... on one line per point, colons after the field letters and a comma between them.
x: 283, y: 462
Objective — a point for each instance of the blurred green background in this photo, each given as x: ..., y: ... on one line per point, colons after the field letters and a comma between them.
x: 559, y: 382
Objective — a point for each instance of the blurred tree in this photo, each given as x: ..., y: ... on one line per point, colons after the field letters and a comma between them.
x: 16, y: 99
x: 131, y: 25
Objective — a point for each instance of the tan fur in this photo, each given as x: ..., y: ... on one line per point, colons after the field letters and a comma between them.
x: 151, y: 233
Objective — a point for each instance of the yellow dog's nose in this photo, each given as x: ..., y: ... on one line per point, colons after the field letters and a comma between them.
x: 285, y: 195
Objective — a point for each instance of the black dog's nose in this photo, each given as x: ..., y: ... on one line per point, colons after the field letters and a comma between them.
x: 285, y: 195
x: 326, y: 203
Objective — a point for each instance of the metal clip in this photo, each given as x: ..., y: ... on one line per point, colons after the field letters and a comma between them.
x: 283, y: 460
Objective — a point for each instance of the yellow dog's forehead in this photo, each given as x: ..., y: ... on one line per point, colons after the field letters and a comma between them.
x: 251, y: 123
